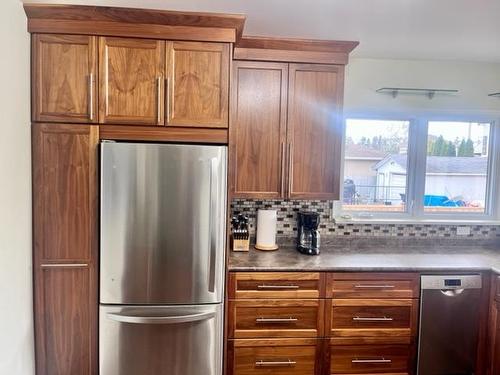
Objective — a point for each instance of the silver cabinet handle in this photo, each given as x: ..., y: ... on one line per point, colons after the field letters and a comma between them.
x: 158, y: 100
x: 368, y: 286
x: 91, y: 96
x: 276, y: 320
x: 290, y: 169
x: 287, y: 363
x: 160, y: 319
x: 368, y: 361
x: 62, y: 265
x: 283, y: 169
x: 277, y: 286
x: 374, y: 319
x: 167, y: 102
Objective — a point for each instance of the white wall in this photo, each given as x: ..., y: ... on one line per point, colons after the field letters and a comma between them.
x: 16, y: 327
x: 474, y: 81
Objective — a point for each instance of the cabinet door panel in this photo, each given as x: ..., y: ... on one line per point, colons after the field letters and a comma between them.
x: 258, y: 129
x: 65, y: 313
x: 64, y: 184
x: 64, y: 68
x: 198, y: 84
x: 314, y: 130
x: 131, y: 73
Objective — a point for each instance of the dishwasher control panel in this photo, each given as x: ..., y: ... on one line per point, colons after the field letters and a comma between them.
x: 451, y: 282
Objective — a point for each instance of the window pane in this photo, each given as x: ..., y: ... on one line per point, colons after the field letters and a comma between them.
x: 375, y: 165
x: 457, y: 166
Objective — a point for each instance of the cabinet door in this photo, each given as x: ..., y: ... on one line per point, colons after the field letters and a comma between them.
x: 198, y: 84
x: 131, y: 75
x: 65, y: 248
x: 258, y: 129
x: 314, y: 130
x: 64, y: 68
x: 495, y: 338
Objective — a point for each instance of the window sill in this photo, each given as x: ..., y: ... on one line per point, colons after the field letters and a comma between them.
x: 340, y: 220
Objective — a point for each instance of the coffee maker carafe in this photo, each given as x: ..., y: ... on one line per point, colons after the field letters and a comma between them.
x: 308, y: 238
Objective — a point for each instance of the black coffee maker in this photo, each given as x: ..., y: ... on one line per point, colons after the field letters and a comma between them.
x: 307, y: 232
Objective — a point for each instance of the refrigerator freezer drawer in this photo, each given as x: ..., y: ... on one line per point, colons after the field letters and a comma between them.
x: 162, y: 223
x: 157, y: 340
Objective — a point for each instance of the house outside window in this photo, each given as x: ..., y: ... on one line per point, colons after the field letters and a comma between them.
x: 419, y: 169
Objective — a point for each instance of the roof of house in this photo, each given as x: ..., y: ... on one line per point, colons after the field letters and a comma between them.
x: 444, y: 164
x: 360, y: 151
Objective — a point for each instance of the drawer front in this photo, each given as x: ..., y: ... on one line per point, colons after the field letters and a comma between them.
x: 274, y: 358
x: 275, y: 318
x: 373, y: 285
x: 370, y: 359
x: 367, y: 318
x: 251, y: 285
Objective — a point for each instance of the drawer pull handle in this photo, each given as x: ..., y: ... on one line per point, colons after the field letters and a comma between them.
x: 374, y: 319
x: 371, y: 361
x: 368, y: 286
x: 277, y: 287
x: 287, y: 363
x: 276, y: 320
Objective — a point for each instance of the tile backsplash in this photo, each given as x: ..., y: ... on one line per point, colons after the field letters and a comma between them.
x: 287, y: 222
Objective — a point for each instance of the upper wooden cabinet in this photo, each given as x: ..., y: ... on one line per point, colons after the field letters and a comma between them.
x: 258, y: 130
x: 63, y: 87
x: 198, y: 84
x: 286, y: 119
x: 131, y: 73
x: 315, y: 130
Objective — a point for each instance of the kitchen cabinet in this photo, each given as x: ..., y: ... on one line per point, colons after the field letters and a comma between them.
x: 65, y: 248
x: 494, y: 327
x: 131, y: 75
x: 198, y: 84
x: 314, y: 131
x: 140, y: 81
x: 322, y: 323
x: 286, y: 119
x: 64, y: 78
x: 258, y: 130
x: 286, y: 130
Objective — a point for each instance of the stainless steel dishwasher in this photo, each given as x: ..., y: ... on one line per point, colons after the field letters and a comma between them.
x: 449, y: 324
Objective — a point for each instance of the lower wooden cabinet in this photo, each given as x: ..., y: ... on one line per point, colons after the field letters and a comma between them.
x: 65, y: 248
x: 277, y: 357
x: 275, y: 318
x: 370, y: 359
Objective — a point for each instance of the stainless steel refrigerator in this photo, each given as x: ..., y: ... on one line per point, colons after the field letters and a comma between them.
x: 163, y: 210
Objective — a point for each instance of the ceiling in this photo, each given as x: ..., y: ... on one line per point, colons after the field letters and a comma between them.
x: 465, y: 30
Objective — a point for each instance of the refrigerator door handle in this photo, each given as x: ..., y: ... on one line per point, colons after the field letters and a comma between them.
x: 161, y: 319
x: 213, y: 219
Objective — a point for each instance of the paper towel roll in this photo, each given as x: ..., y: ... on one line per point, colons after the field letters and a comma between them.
x: 266, y: 230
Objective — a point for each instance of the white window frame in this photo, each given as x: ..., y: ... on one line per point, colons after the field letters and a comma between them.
x: 415, y: 177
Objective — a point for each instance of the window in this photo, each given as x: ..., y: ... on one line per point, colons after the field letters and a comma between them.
x: 375, y: 165
x: 456, y: 173
x: 419, y: 169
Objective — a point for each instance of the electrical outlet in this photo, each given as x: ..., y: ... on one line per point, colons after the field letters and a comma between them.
x: 463, y: 231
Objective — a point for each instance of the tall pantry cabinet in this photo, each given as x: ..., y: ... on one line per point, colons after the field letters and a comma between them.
x: 163, y: 75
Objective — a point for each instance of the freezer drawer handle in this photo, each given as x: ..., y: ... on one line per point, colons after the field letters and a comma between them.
x: 276, y: 320
x: 277, y: 286
x: 374, y: 319
x: 161, y: 319
x: 370, y: 361
x: 287, y: 363
x: 368, y: 286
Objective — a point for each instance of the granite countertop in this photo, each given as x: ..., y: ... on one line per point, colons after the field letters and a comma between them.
x: 369, y: 255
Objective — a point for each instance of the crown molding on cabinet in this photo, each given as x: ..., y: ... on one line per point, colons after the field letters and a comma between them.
x: 131, y: 22
x: 293, y: 50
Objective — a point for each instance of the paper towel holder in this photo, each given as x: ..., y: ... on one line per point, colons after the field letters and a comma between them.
x: 266, y: 230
